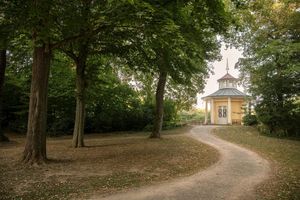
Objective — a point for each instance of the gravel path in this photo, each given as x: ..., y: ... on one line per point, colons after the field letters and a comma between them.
x: 233, y: 177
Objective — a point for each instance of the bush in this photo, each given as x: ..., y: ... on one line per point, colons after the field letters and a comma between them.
x: 15, y: 104
x: 250, y: 120
x: 264, y: 129
x: 192, y: 116
x: 166, y: 126
x: 170, y: 118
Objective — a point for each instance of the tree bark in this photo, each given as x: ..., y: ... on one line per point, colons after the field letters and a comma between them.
x: 3, y: 138
x: 159, y: 109
x: 35, y: 147
x: 78, y: 134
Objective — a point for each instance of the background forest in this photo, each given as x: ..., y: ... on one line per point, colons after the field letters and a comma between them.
x: 112, y: 103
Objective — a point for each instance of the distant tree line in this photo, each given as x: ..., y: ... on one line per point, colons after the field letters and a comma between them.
x: 111, y: 105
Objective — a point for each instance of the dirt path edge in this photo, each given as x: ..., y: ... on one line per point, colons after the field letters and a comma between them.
x: 233, y: 177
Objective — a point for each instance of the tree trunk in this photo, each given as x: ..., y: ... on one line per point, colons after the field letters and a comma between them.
x: 3, y: 138
x: 80, y: 106
x: 35, y: 147
x: 159, y: 109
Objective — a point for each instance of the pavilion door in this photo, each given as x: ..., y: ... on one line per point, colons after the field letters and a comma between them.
x: 222, y: 115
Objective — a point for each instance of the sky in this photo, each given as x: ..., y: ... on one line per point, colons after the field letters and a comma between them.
x: 219, y: 69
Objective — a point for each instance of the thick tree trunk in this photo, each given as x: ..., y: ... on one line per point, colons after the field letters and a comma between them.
x: 80, y: 106
x: 159, y: 109
x: 35, y: 147
x: 3, y: 138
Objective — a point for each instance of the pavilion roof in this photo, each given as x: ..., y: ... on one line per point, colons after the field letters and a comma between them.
x: 227, y: 92
x: 227, y: 77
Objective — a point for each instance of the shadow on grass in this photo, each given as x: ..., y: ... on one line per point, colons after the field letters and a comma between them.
x: 11, y: 143
x: 294, y: 138
x: 59, y: 161
x: 109, y: 145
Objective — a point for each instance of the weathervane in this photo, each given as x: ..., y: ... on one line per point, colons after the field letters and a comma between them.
x: 227, y: 67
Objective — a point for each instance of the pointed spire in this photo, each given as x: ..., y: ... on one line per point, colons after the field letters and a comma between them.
x: 227, y: 66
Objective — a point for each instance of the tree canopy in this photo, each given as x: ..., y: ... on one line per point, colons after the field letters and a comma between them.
x: 84, y: 50
x: 271, y: 66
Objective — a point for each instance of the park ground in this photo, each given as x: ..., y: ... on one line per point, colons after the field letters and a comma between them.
x: 118, y: 162
x: 283, y: 155
x: 110, y: 163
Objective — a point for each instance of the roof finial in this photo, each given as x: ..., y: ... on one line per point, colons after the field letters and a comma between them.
x: 227, y: 66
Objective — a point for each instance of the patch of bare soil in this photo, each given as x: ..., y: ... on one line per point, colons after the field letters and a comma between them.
x: 108, y: 164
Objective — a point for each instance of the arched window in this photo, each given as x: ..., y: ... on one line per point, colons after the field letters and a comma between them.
x: 220, y: 112
x: 224, y: 112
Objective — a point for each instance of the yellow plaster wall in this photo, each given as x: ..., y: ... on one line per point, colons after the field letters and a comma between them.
x: 236, y: 108
x: 237, y: 111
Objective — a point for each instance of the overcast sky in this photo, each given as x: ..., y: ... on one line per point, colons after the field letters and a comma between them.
x: 219, y: 69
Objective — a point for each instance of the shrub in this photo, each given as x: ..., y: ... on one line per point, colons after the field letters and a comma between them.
x: 250, y: 120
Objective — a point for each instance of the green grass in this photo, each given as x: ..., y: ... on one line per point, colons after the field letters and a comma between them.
x: 283, y: 154
x: 109, y: 163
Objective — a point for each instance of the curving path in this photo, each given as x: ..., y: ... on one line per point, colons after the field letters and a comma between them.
x: 233, y: 177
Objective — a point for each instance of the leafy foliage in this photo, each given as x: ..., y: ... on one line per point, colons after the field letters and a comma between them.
x: 112, y: 105
x: 250, y: 120
x: 61, y: 99
x: 271, y: 66
x: 15, y: 104
x: 177, y: 37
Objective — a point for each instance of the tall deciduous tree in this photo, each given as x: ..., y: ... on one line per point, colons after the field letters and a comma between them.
x: 182, y: 38
x: 39, y: 20
x: 78, y: 51
x: 105, y: 27
x: 5, y: 28
x: 2, y: 75
x: 35, y: 147
x: 272, y: 47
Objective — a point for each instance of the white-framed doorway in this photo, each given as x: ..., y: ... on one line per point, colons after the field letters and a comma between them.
x: 222, y: 114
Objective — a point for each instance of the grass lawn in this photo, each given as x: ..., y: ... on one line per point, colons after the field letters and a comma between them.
x: 284, y: 155
x: 108, y: 164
